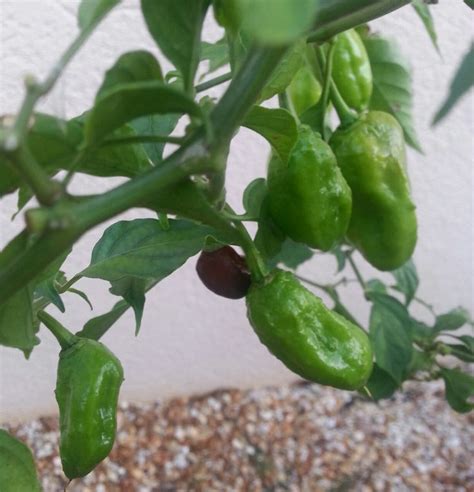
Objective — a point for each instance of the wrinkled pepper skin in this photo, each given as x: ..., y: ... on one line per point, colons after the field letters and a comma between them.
x: 351, y: 70
x: 310, y: 339
x: 88, y: 382
x: 371, y: 155
x: 309, y: 198
x: 304, y: 90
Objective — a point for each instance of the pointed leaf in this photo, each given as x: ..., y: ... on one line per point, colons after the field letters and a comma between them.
x: 462, y: 82
x: 126, y: 102
x: 459, y: 388
x: 176, y: 27
x: 452, y: 320
x: 277, y: 126
x: 92, y: 11
x: 96, y: 327
x: 424, y: 12
x: 135, y: 66
x: 17, y: 466
x: 292, y: 254
x: 380, y: 384
x: 392, y: 86
x: 254, y: 195
x: 407, y: 280
x: 217, y: 54
x: 390, y: 335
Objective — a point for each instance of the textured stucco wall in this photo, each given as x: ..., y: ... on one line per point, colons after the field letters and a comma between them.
x: 192, y: 341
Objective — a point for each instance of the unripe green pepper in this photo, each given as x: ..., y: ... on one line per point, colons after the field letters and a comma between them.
x: 304, y: 90
x: 17, y: 467
x: 88, y: 382
x: 351, y: 70
x: 371, y: 155
x: 309, y: 198
x: 310, y: 339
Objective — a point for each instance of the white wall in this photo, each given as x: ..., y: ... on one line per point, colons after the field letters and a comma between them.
x: 192, y: 341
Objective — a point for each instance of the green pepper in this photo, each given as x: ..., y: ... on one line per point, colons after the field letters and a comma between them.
x: 310, y: 339
x: 17, y: 467
x: 351, y: 70
x: 371, y: 155
x: 309, y: 198
x: 304, y: 90
x: 88, y: 382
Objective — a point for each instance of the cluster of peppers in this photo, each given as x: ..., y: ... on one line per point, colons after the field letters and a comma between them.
x: 352, y: 188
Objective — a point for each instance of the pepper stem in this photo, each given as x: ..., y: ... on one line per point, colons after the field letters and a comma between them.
x: 345, y: 113
x: 65, y: 338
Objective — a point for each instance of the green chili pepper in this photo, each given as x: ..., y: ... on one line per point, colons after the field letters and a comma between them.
x: 371, y: 155
x: 17, y: 467
x: 88, y: 382
x: 351, y: 70
x: 304, y: 90
x: 310, y: 339
x: 309, y: 198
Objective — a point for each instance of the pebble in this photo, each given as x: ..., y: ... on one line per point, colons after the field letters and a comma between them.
x: 297, y: 438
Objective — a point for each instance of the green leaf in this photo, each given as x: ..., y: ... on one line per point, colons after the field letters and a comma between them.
x: 459, y: 387
x: 162, y: 124
x: 420, y: 361
x: 424, y: 13
x: 92, y: 11
x: 285, y: 71
x: 292, y: 254
x: 277, y: 126
x: 392, y: 86
x: 55, y: 143
x: 380, y: 384
x: 176, y: 27
x: 269, y: 238
x: 407, y: 280
x: 276, y: 21
x: 82, y: 295
x: 17, y: 466
x: 216, y: 53
x: 452, y: 320
x: 96, y: 327
x: 17, y: 327
x: 48, y: 290
x: 390, y: 335
x: 376, y: 285
x: 254, y: 195
x: 135, y: 66
x: 133, y: 254
x: 461, y: 352
x: 421, y: 330
x: 463, y: 81
x: 468, y: 342
x: 126, y: 102
x: 340, y: 256
x: 469, y: 3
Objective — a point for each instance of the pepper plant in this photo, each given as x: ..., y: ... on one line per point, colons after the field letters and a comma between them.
x: 336, y: 188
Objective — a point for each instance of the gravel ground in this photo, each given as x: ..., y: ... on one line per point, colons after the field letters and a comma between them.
x: 294, y: 438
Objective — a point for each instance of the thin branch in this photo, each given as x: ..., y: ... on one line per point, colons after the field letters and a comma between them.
x: 204, y: 86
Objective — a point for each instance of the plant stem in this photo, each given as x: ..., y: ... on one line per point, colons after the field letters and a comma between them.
x: 138, y: 139
x: 255, y: 261
x: 335, y: 16
x: 346, y: 114
x: 213, y: 82
x: 46, y: 190
x: 326, y: 87
x: 357, y: 273
x: 65, y: 338
x: 37, y: 90
x: 244, y: 90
